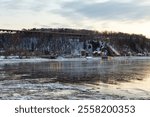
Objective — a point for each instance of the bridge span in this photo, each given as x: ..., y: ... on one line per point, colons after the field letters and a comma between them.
x: 40, y: 31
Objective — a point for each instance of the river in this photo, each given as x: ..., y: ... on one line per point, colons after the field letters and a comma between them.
x: 76, y: 79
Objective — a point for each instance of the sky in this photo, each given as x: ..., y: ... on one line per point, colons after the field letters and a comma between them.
x: 129, y: 16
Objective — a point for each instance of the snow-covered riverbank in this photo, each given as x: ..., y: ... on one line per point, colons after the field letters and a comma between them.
x: 16, y: 59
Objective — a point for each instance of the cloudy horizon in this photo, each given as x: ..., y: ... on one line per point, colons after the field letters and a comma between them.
x: 129, y: 16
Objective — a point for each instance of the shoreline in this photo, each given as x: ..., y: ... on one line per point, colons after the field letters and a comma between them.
x: 15, y: 59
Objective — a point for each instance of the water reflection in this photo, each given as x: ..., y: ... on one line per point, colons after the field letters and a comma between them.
x: 80, y: 71
x: 122, y: 76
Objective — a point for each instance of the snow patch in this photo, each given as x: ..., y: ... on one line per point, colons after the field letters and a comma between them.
x: 14, y: 60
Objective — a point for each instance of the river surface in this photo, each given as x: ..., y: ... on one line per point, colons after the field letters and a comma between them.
x: 71, y: 79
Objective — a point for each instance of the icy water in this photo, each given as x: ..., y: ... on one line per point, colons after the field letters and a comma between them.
x: 96, y: 79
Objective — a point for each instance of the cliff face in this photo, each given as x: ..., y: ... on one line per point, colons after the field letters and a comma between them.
x: 134, y: 44
x: 27, y: 43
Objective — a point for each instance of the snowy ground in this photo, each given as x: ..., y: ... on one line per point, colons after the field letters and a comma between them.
x: 15, y: 59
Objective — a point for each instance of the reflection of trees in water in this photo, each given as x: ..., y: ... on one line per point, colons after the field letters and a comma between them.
x: 74, y: 72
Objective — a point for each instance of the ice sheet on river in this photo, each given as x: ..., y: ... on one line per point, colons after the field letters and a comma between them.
x: 79, y: 78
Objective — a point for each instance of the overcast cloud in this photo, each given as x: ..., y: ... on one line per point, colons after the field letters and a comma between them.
x: 95, y: 14
x: 112, y: 10
x: 97, y: 9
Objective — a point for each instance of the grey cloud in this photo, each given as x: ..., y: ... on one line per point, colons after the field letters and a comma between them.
x: 24, y: 5
x: 78, y: 9
x: 10, y: 4
x: 41, y: 5
x: 106, y: 10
